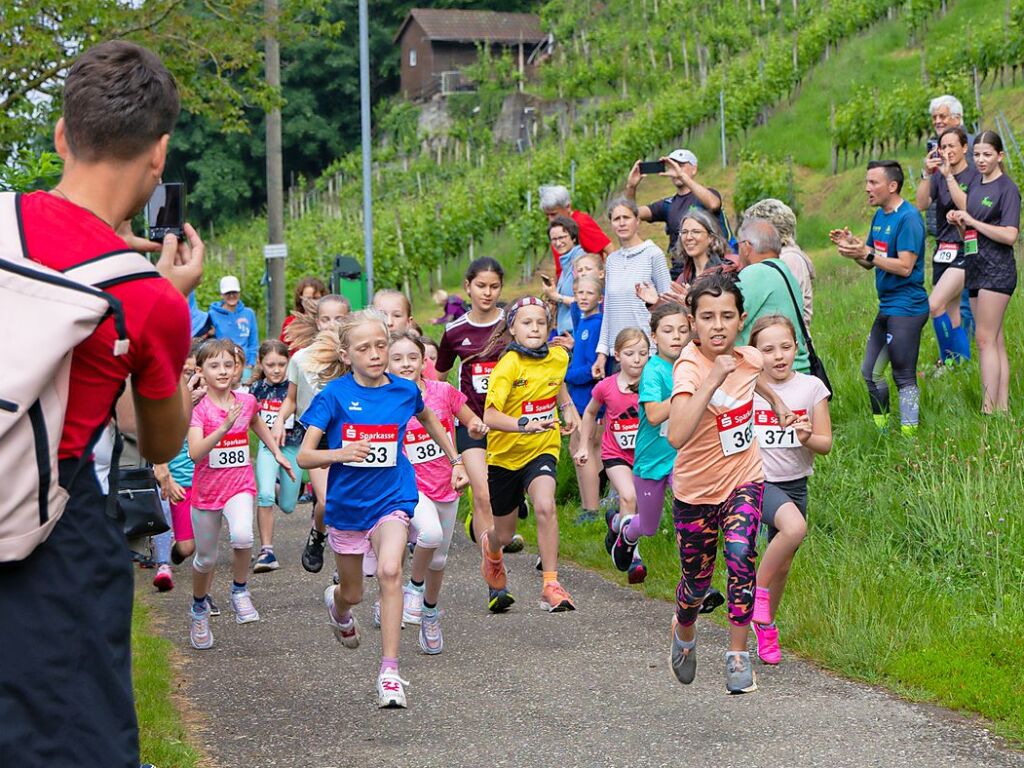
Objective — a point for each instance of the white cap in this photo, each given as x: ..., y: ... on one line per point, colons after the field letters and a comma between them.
x: 683, y: 156
x: 230, y: 284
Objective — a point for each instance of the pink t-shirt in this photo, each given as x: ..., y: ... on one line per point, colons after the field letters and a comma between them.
x: 226, y: 470
x: 622, y: 419
x: 433, y: 472
x: 784, y: 457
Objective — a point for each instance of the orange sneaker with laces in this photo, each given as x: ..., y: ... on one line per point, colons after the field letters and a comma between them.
x: 493, y: 571
x: 555, y: 599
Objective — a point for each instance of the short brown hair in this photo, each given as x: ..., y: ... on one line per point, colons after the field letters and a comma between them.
x: 214, y: 348
x: 572, y: 229
x: 119, y: 99
x: 308, y: 282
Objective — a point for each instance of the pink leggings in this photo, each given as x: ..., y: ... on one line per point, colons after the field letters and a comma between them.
x: 650, y: 504
x: 181, y: 517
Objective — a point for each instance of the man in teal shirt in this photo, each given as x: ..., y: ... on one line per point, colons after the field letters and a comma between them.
x: 763, y: 282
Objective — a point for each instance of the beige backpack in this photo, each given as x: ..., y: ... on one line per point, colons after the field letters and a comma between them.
x: 44, y: 315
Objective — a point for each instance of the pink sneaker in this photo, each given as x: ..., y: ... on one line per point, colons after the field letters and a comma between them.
x: 768, y: 643
x: 164, y: 579
x: 762, y: 606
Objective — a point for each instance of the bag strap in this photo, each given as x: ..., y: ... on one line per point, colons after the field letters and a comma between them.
x: 796, y: 305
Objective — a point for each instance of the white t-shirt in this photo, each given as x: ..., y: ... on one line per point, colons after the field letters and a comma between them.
x: 783, y: 455
x: 307, y: 385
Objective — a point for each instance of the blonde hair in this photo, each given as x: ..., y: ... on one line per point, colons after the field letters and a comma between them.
x: 387, y: 293
x: 303, y: 329
x: 324, y: 358
x: 597, y: 282
x: 766, y: 322
x: 629, y: 336
x: 595, y: 257
x: 439, y: 296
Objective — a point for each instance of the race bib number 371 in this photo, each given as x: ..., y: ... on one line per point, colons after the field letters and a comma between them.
x: 736, y: 429
x: 770, y: 435
x: 383, y: 439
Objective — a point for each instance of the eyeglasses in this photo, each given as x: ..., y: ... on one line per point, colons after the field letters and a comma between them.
x: 560, y: 238
x: 691, y: 232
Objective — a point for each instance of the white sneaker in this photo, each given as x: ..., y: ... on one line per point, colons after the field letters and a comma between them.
x: 391, y: 690
x: 245, y: 611
x: 200, y: 635
x: 346, y: 634
x: 376, y: 615
x: 412, y: 604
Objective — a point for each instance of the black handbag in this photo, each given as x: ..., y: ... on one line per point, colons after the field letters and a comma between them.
x: 817, y: 366
x: 134, y: 498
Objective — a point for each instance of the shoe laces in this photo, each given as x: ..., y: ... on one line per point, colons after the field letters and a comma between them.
x: 391, y: 681
x: 737, y: 663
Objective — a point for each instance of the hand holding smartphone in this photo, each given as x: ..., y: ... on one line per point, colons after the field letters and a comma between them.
x: 165, y: 212
x: 648, y: 167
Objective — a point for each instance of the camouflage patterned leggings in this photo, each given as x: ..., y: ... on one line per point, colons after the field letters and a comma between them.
x: 697, y: 528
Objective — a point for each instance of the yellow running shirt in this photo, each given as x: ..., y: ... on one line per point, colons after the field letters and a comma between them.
x: 525, y: 386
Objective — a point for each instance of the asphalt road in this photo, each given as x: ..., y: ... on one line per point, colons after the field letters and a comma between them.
x: 528, y: 688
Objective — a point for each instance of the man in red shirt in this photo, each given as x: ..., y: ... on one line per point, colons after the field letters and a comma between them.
x: 554, y: 201
x: 65, y: 667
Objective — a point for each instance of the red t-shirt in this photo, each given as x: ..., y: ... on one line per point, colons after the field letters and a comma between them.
x: 592, y: 238
x: 61, y: 235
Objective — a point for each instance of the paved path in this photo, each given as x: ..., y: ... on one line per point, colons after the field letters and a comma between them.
x: 589, y: 688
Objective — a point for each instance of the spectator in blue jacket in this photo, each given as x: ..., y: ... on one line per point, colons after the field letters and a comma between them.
x: 233, y: 320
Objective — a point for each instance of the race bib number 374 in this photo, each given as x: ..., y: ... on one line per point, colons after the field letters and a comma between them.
x: 383, y: 439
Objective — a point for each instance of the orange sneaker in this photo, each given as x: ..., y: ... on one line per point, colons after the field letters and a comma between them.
x: 555, y: 599
x: 493, y: 571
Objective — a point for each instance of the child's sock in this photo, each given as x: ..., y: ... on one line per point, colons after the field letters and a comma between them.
x: 267, y: 548
x: 429, y: 609
x: 961, y: 344
x: 417, y: 585
x: 388, y: 663
x: 550, y: 576
x: 944, y: 335
x: 199, y: 603
x: 686, y: 645
x: 237, y: 588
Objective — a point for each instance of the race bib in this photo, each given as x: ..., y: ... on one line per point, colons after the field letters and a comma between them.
x: 383, y: 440
x: 770, y: 435
x: 269, y: 411
x: 663, y: 430
x: 539, y: 410
x: 481, y: 376
x: 971, y: 242
x: 736, y: 429
x: 421, y: 447
x: 231, y: 452
x: 624, y: 432
x: 946, y: 253
x: 881, y: 249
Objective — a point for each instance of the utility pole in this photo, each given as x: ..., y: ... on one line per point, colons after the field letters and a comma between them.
x: 364, y: 109
x: 275, y: 252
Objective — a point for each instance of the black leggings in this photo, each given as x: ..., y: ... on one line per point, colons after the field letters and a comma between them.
x: 896, y: 340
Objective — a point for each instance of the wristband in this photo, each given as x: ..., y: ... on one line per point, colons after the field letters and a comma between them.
x: 456, y: 460
x: 870, y: 258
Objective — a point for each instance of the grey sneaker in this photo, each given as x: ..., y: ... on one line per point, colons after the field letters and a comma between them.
x: 431, y: 640
x: 245, y: 611
x: 200, y: 635
x: 683, y: 658
x: 739, y: 675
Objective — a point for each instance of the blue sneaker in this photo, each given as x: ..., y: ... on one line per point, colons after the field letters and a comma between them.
x: 266, y: 562
x: 499, y: 600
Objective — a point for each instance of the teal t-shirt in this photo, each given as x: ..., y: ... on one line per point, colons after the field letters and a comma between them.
x: 654, y: 455
x: 181, y: 467
x: 899, y: 230
x: 764, y: 293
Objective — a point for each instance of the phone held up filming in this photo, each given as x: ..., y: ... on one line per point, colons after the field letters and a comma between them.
x: 165, y: 212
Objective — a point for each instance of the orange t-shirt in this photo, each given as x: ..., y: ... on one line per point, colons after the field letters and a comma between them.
x: 722, y: 453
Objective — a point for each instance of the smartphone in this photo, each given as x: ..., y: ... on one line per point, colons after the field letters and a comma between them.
x: 165, y: 212
x: 652, y: 166
x: 932, y: 145
x: 546, y: 280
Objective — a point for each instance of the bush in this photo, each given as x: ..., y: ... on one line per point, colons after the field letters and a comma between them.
x: 759, y: 177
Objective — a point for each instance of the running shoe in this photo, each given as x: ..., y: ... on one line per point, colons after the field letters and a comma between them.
x: 245, y: 611
x: 143, y: 560
x: 611, y: 519
x: 347, y: 634
x: 431, y: 641
x: 610, y: 501
x: 499, y: 600
x: 200, y: 635
x: 762, y: 606
x: 554, y: 598
x: 908, y: 430
x: 313, y: 553
x: 516, y: 545
x: 214, y: 608
x: 493, y: 571
x: 164, y: 579
x: 376, y: 615
x: 586, y: 516
x: 712, y: 600
x: 622, y: 549
x: 682, y: 660
x: 739, y: 675
x: 767, y: 636
x: 335, y: 577
x: 391, y: 690
x: 412, y: 604
x: 539, y: 567
x: 267, y: 561
x: 637, y: 573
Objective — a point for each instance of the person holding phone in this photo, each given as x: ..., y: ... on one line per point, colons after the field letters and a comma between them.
x: 565, y: 241
x: 681, y: 167
x: 945, y: 182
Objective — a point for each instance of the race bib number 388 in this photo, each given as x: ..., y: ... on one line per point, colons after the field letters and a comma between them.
x: 736, y: 429
x: 231, y: 452
x: 383, y: 439
x: 421, y: 447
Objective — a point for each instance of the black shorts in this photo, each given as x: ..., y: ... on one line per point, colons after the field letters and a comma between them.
x: 508, y: 486
x: 991, y: 272
x: 938, y: 269
x: 615, y: 462
x: 465, y: 441
x: 776, y: 495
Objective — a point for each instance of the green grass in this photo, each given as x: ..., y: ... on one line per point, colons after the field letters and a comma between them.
x: 162, y: 735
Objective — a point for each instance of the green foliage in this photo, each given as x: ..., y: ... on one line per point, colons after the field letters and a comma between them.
x: 27, y: 171
x: 759, y: 177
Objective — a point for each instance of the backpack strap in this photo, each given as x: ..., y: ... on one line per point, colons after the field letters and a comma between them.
x: 796, y: 305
